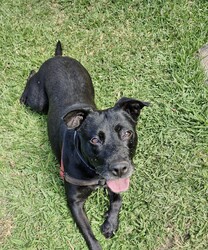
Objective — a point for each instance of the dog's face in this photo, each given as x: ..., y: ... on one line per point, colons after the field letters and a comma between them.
x: 107, y: 140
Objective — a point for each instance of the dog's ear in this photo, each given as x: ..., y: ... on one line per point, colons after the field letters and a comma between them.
x: 131, y: 106
x: 75, y: 118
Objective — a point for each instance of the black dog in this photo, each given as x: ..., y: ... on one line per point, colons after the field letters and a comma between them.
x: 95, y: 148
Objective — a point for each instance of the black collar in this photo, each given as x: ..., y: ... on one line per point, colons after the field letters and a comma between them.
x: 78, y: 182
x: 94, y: 181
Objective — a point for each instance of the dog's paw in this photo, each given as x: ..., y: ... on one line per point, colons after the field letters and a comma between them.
x: 109, y: 228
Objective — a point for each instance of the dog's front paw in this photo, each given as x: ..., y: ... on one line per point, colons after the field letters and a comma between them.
x: 109, y: 228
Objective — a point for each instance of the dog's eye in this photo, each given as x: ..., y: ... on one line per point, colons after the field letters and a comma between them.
x: 95, y: 141
x: 126, y: 135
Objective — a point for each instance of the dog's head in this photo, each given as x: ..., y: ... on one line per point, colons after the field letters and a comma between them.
x: 107, y: 140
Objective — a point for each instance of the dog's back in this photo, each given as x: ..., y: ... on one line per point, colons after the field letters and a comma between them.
x: 57, y: 83
x: 60, y: 83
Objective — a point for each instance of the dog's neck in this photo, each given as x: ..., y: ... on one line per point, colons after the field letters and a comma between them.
x: 95, y: 181
x: 76, y: 146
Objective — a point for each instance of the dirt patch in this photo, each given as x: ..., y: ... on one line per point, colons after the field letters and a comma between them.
x: 6, y: 222
x: 5, y: 228
x: 174, y: 240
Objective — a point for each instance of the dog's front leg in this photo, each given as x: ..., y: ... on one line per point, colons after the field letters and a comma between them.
x: 76, y: 196
x: 110, y: 225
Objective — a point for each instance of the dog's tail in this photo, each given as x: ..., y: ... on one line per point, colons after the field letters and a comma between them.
x: 58, y: 50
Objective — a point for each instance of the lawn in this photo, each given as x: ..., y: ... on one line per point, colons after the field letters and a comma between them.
x: 141, y: 49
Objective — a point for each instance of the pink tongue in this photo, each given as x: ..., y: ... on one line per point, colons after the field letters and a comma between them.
x: 118, y: 185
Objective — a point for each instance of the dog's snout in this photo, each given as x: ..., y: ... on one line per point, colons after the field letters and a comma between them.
x: 119, y: 169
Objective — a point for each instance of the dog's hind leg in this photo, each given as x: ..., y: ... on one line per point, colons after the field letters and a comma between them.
x: 34, y: 94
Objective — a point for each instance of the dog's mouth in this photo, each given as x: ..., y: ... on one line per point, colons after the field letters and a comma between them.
x: 117, y: 177
x: 118, y: 185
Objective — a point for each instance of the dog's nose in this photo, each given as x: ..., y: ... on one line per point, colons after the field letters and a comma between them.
x: 120, y: 168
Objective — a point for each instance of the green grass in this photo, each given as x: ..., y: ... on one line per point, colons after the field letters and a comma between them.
x: 141, y: 49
